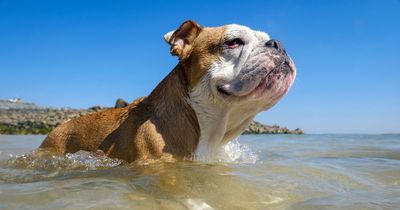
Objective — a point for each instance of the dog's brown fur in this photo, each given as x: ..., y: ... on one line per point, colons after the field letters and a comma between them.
x: 146, y: 129
x: 162, y: 123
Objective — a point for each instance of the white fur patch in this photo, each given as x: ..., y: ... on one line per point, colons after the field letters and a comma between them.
x: 167, y: 36
x: 229, y: 68
x: 221, y: 119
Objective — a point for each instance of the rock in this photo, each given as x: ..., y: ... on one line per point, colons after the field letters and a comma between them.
x: 298, y: 131
x: 95, y: 108
x: 121, y: 103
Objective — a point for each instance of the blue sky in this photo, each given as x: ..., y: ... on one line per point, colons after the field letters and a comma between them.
x: 84, y: 53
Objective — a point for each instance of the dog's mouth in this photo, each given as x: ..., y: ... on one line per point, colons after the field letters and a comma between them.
x: 222, y: 90
x: 278, y: 79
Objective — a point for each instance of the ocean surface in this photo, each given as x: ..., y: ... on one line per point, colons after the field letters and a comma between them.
x: 258, y: 172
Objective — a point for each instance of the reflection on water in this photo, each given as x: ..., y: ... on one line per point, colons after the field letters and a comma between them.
x: 272, y: 172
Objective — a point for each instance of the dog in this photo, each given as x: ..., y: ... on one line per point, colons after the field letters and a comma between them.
x: 225, y: 76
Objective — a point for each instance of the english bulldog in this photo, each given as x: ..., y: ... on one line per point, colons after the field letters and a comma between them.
x: 225, y: 76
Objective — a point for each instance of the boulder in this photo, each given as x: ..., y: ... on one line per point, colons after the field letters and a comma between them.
x: 121, y: 103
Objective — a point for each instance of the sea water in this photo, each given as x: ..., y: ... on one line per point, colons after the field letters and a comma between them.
x: 257, y: 172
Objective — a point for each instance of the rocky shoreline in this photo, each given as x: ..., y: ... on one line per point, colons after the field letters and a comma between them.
x: 259, y: 128
x: 36, y: 121
x: 21, y: 118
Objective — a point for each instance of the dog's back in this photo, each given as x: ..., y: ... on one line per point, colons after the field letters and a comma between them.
x: 90, y: 132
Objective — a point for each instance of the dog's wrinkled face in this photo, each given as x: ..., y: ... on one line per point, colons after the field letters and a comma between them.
x: 251, y: 67
x: 233, y: 73
x: 235, y: 64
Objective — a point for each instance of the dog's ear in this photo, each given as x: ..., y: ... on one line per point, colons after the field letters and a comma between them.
x: 181, y: 40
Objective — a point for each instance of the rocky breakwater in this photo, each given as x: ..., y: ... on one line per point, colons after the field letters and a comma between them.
x: 27, y: 118
x: 17, y: 117
x: 36, y: 120
x: 259, y: 128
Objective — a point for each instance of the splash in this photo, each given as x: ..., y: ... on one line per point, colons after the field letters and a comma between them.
x: 39, y: 159
x: 238, y: 153
x: 232, y: 152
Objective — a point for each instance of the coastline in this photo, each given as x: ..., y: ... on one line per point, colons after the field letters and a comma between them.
x: 27, y: 118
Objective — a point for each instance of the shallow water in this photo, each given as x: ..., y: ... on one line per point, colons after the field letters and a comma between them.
x: 272, y: 172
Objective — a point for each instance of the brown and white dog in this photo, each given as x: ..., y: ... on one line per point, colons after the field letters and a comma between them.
x: 225, y: 76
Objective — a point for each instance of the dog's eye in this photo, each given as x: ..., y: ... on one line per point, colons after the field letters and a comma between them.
x: 234, y: 43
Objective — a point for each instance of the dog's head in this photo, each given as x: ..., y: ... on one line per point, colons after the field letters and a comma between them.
x: 233, y: 63
x: 232, y: 70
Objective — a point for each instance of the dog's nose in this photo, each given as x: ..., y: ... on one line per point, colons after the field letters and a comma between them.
x: 273, y: 43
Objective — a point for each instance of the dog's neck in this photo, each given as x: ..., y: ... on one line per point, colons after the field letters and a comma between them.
x: 173, y: 116
x: 219, y: 123
x: 189, y: 121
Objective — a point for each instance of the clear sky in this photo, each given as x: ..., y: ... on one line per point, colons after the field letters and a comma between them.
x: 84, y: 53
